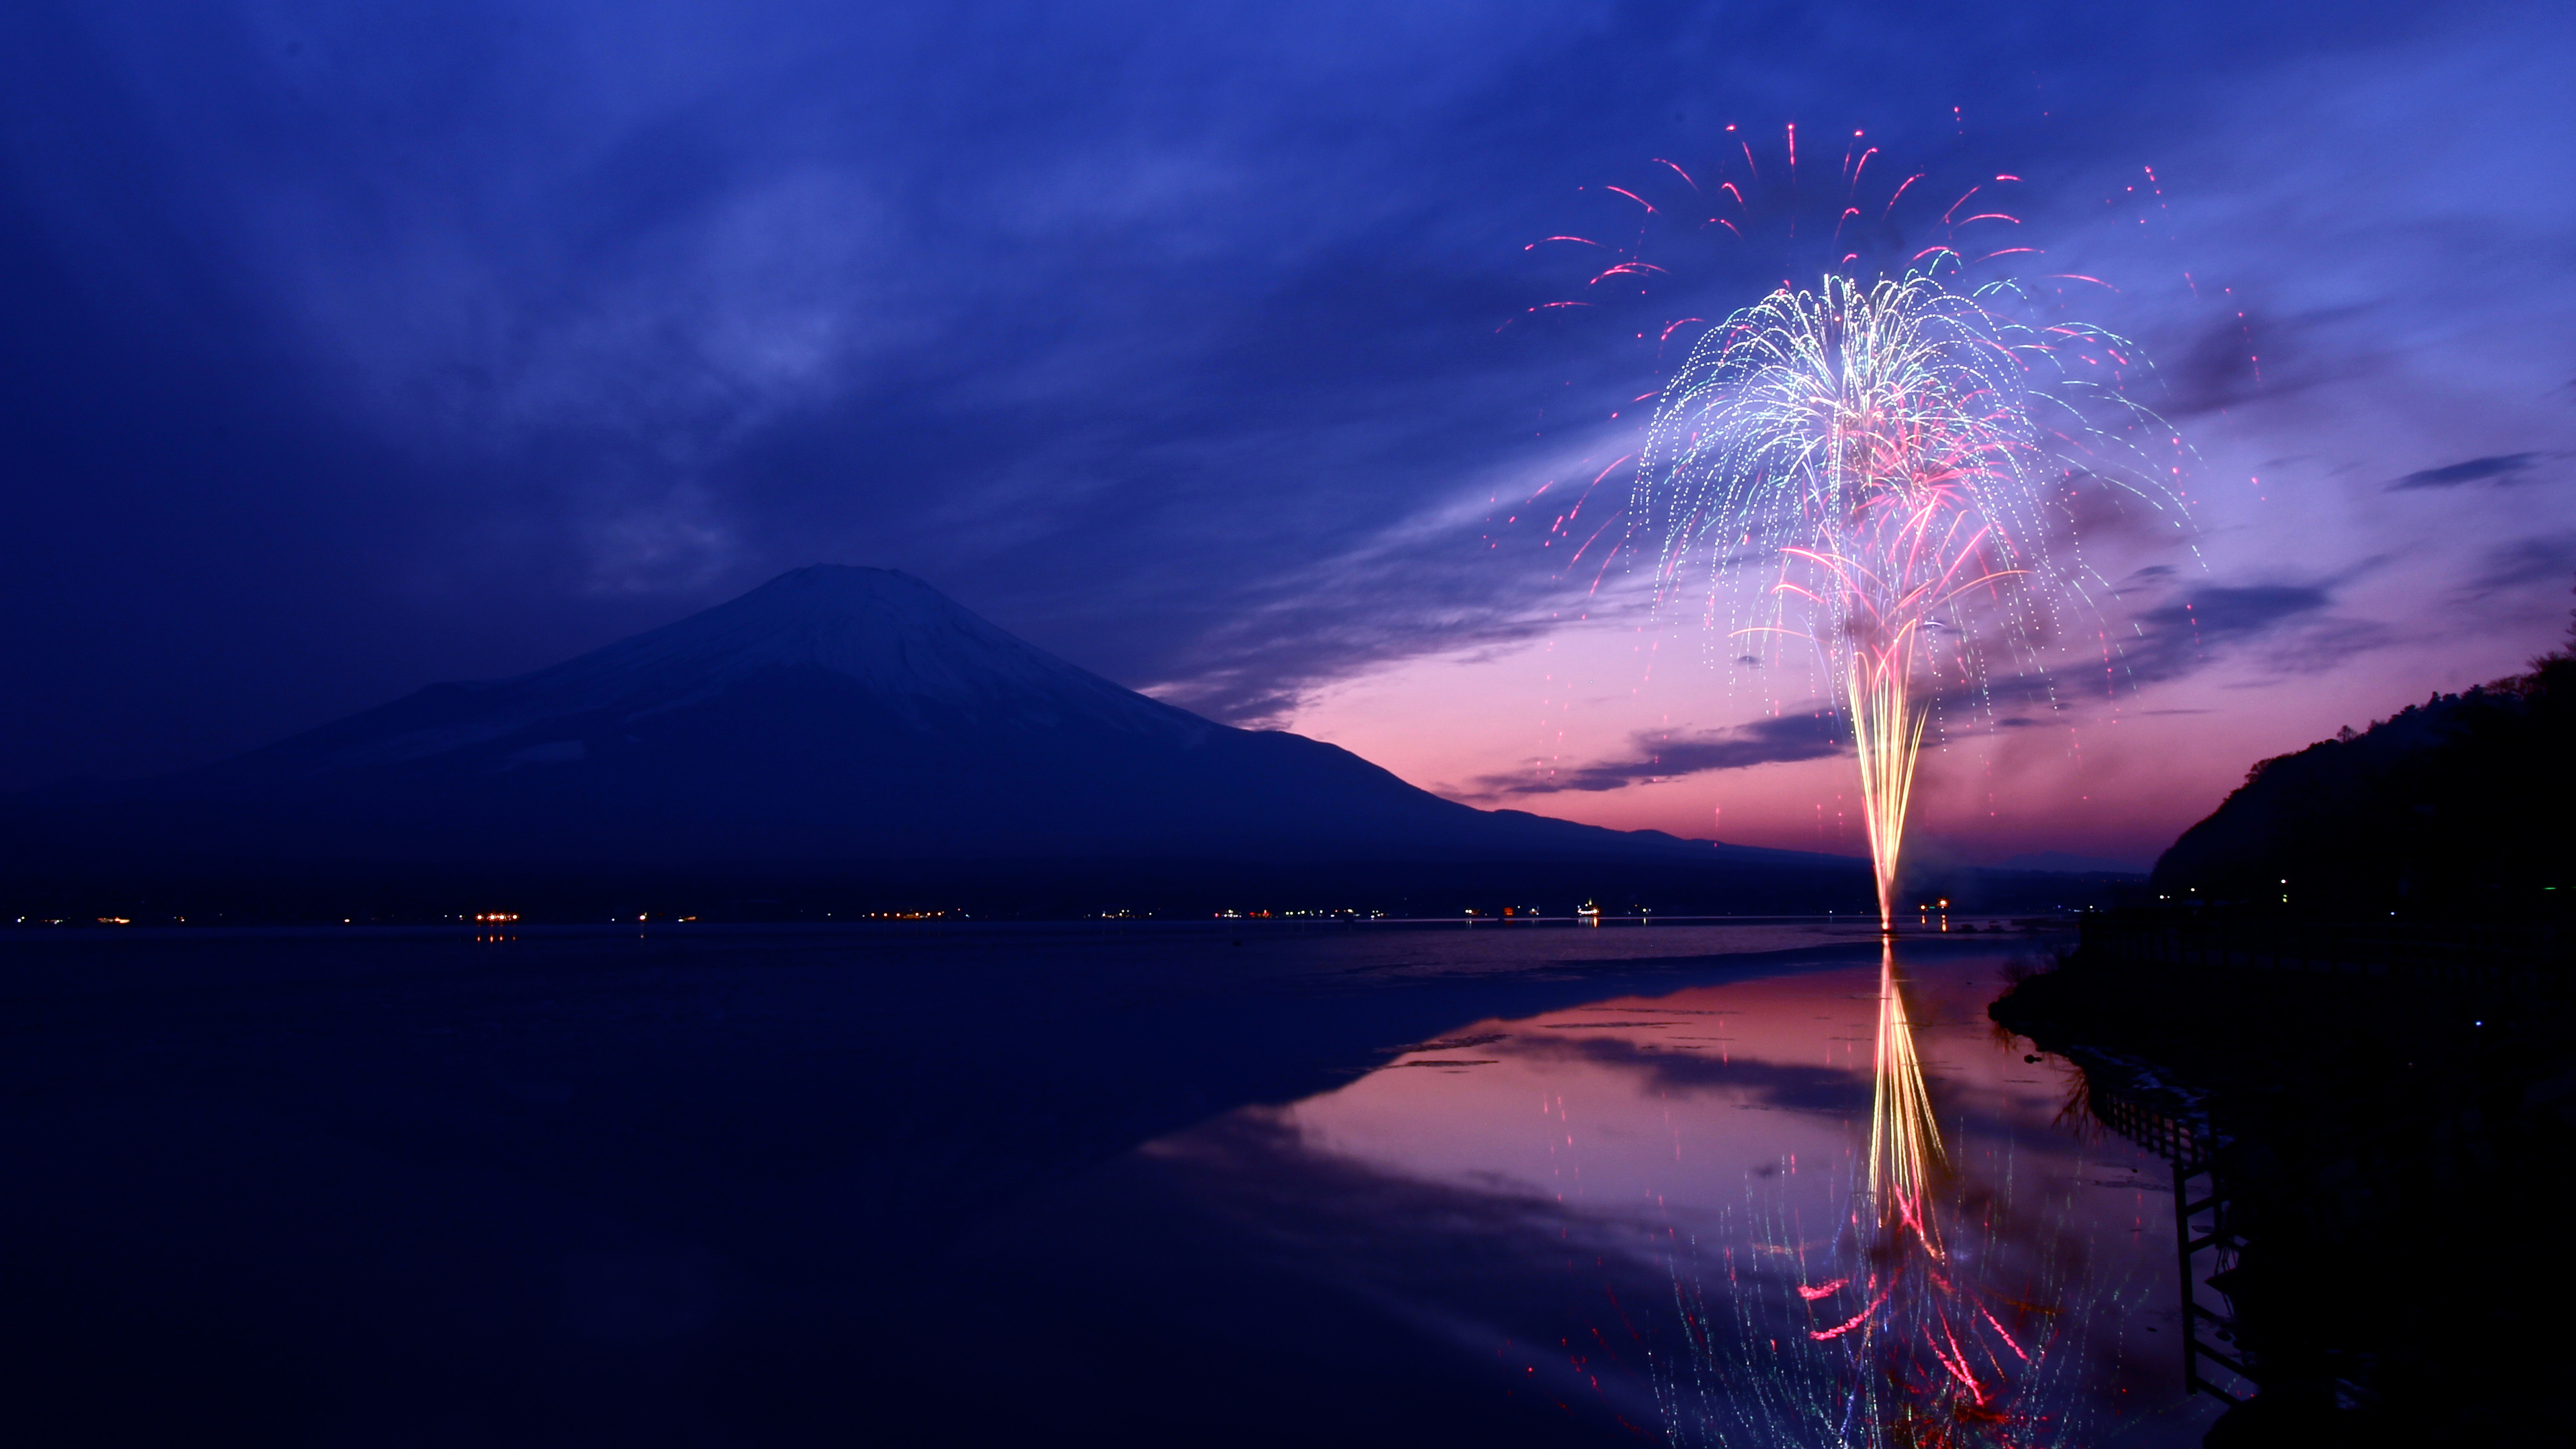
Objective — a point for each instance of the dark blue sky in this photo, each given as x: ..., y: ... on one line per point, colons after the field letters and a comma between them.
x: 359, y: 346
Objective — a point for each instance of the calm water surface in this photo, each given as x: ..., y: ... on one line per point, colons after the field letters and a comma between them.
x: 1615, y: 1203
x: 1173, y: 1185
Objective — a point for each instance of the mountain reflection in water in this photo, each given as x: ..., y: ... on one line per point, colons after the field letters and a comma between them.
x: 1691, y: 1176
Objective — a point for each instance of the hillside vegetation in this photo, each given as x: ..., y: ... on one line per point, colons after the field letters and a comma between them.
x: 2457, y: 806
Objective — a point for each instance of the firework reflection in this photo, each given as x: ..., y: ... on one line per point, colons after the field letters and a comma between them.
x: 1926, y: 1319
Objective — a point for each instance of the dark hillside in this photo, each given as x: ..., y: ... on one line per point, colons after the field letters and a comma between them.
x: 2459, y: 805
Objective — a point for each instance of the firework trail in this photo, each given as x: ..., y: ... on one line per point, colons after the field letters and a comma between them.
x: 1894, y: 448
x: 1874, y: 444
x: 1853, y: 1343
x: 1887, y: 456
x: 1904, y: 1140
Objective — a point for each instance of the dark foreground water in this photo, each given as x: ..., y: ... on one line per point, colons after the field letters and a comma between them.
x: 966, y: 1185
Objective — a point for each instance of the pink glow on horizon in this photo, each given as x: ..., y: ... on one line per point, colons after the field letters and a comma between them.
x: 2116, y: 779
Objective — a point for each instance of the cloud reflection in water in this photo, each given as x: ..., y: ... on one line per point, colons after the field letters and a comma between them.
x: 1645, y: 1185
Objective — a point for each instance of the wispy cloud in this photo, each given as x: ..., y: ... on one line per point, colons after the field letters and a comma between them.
x: 2499, y: 468
x: 2195, y: 631
x: 2288, y: 628
x: 1659, y: 757
x: 2522, y: 562
x: 1165, y: 337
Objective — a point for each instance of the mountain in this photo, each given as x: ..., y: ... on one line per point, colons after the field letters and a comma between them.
x: 834, y: 727
x: 2454, y: 807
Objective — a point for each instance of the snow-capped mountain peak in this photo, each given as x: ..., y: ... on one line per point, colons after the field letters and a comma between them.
x: 924, y: 661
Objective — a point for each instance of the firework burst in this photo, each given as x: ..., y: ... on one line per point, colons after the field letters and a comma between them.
x: 1888, y: 456
x: 1875, y: 473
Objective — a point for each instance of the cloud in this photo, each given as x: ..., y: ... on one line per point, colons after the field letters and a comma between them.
x: 2523, y: 561
x: 1165, y: 339
x: 2500, y: 468
x: 2229, y: 613
x: 1660, y: 757
x: 2181, y: 637
x: 2288, y: 624
x: 2240, y: 360
x: 2288, y: 629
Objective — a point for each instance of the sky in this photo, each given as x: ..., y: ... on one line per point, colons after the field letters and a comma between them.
x: 356, y: 347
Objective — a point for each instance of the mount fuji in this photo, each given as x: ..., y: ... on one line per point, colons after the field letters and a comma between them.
x: 833, y: 726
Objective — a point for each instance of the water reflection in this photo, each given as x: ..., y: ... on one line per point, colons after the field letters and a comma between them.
x: 1933, y: 1315
x: 1823, y: 1208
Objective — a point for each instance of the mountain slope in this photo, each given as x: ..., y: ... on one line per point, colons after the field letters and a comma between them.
x: 830, y: 721
x: 2457, y: 806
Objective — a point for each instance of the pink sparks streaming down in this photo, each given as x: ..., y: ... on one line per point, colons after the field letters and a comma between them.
x: 1867, y: 470
x: 1881, y: 443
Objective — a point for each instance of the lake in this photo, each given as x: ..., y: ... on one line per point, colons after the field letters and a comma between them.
x: 954, y: 1183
